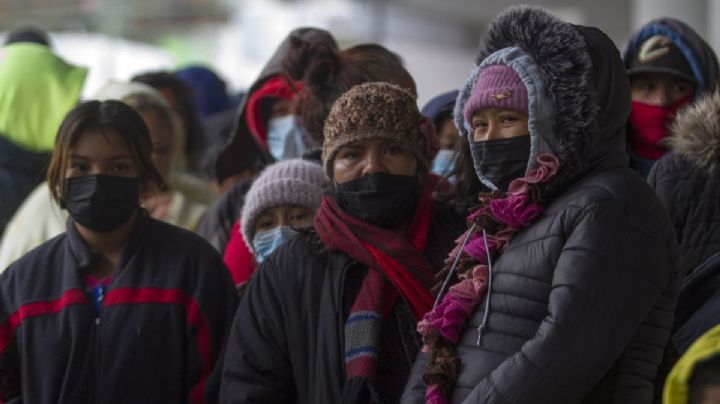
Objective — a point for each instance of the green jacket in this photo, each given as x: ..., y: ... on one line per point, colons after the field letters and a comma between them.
x: 37, y: 90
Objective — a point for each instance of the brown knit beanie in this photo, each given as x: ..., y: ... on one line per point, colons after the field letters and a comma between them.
x: 378, y: 110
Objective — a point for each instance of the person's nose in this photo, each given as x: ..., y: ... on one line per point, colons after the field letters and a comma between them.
x: 373, y: 163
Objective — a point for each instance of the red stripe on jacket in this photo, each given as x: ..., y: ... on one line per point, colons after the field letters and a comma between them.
x: 192, y: 313
x: 34, y: 309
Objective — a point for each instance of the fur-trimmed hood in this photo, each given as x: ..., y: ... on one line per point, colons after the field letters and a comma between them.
x: 579, y: 97
x: 696, y: 133
x: 699, y: 54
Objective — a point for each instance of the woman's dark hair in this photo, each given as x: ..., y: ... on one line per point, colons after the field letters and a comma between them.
x: 464, y: 192
x: 190, y: 117
x: 327, y: 73
x: 105, y: 117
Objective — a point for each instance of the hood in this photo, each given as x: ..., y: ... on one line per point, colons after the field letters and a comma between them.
x: 37, y: 90
x: 209, y: 91
x: 700, y: 56
x: 578, y: 93
x: 676, y: 384
x: 232, y: 160
x: 696, y: 133
x: 440, y: 103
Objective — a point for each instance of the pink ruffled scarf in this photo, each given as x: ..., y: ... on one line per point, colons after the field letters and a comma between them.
x: 499, y: 217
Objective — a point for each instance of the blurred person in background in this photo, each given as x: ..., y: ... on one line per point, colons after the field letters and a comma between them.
x: 37, y: 89
x: 121, y: 307
x: 439, y: 109
x: 216, y: 108
x: 180, y: 97
x: 280, y: 202
x: 265, y: 109
x: 669, y: 66
x: 329, y: 317
x: 39, y: 218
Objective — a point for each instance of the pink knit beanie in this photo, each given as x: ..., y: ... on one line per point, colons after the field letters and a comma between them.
x: 497, y: 86
x: 289, y: 182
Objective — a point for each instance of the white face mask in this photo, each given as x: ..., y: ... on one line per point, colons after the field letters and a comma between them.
x: 285, y: 138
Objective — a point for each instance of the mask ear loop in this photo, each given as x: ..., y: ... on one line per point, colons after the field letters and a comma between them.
x: 453, y: 268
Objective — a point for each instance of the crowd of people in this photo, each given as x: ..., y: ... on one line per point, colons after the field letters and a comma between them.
x: 547, y: 232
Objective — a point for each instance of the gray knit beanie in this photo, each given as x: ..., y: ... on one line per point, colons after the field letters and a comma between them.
x: 378, y: 110
x: 289, y: 182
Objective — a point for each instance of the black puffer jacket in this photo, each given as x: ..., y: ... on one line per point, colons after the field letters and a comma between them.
x: 286, y: 345
x: 582, y: 300
x: 687, y: 181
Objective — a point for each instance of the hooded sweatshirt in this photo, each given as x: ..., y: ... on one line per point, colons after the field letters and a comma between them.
x: 580, y: 302
x: 244, y: 152
x: 699, y: 54
x: 676, y: 387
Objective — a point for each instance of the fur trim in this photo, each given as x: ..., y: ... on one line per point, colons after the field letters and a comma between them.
x: 696, y: 133
x: 561, y: 55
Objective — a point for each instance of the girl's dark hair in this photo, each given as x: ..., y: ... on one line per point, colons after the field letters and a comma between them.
x: 183, y: 94
x: 463, y: 194
x: 327, y: 73
x: 106, y: 117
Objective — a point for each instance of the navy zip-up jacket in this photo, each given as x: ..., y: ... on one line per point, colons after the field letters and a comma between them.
x: 160, y: 332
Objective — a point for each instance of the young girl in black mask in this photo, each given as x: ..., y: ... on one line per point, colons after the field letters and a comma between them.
x: 121, y: 307
x: 330, y: 317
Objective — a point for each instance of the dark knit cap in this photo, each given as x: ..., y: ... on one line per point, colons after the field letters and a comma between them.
x: 378, y: 110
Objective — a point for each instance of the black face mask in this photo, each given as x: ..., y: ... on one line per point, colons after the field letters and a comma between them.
x: 501, y: 161
x: 383, y: 200
x: 101, y: 203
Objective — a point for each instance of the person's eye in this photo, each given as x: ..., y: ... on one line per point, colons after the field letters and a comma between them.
x: 349, y: 154
x: 680, y: 88
x: 120, y: 167
x: 508, y: 119
x: 393, y: 149
x: 266, y: 224
x: 78, y: 168
x: 298, y: 217
x: 479, y: 125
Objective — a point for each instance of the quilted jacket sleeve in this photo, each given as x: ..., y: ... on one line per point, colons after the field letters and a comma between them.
x: 613, y: 286
x: 9, y: 360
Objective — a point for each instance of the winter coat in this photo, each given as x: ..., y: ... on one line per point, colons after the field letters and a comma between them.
x: 581, y: 301
x: 157, y: 339
x: 287, y: 342
x: 687, y: 181
x: 240, y: 153
x: 700, y: 56
x: 216, y: 226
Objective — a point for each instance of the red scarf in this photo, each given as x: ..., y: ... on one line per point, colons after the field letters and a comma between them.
x: 649, y: 124
x: 388, y: 255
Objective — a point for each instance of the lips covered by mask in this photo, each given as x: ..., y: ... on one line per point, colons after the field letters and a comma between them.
x: 381, y: 199
x: 102, y: 203
x: 498, y: 162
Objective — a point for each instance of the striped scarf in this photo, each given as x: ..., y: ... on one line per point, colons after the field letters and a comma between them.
x: 396, y: 266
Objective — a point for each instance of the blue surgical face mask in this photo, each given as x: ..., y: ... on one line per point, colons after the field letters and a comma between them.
x: 444, y: 162
x: 285, y: 138
x: 264, y: 243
